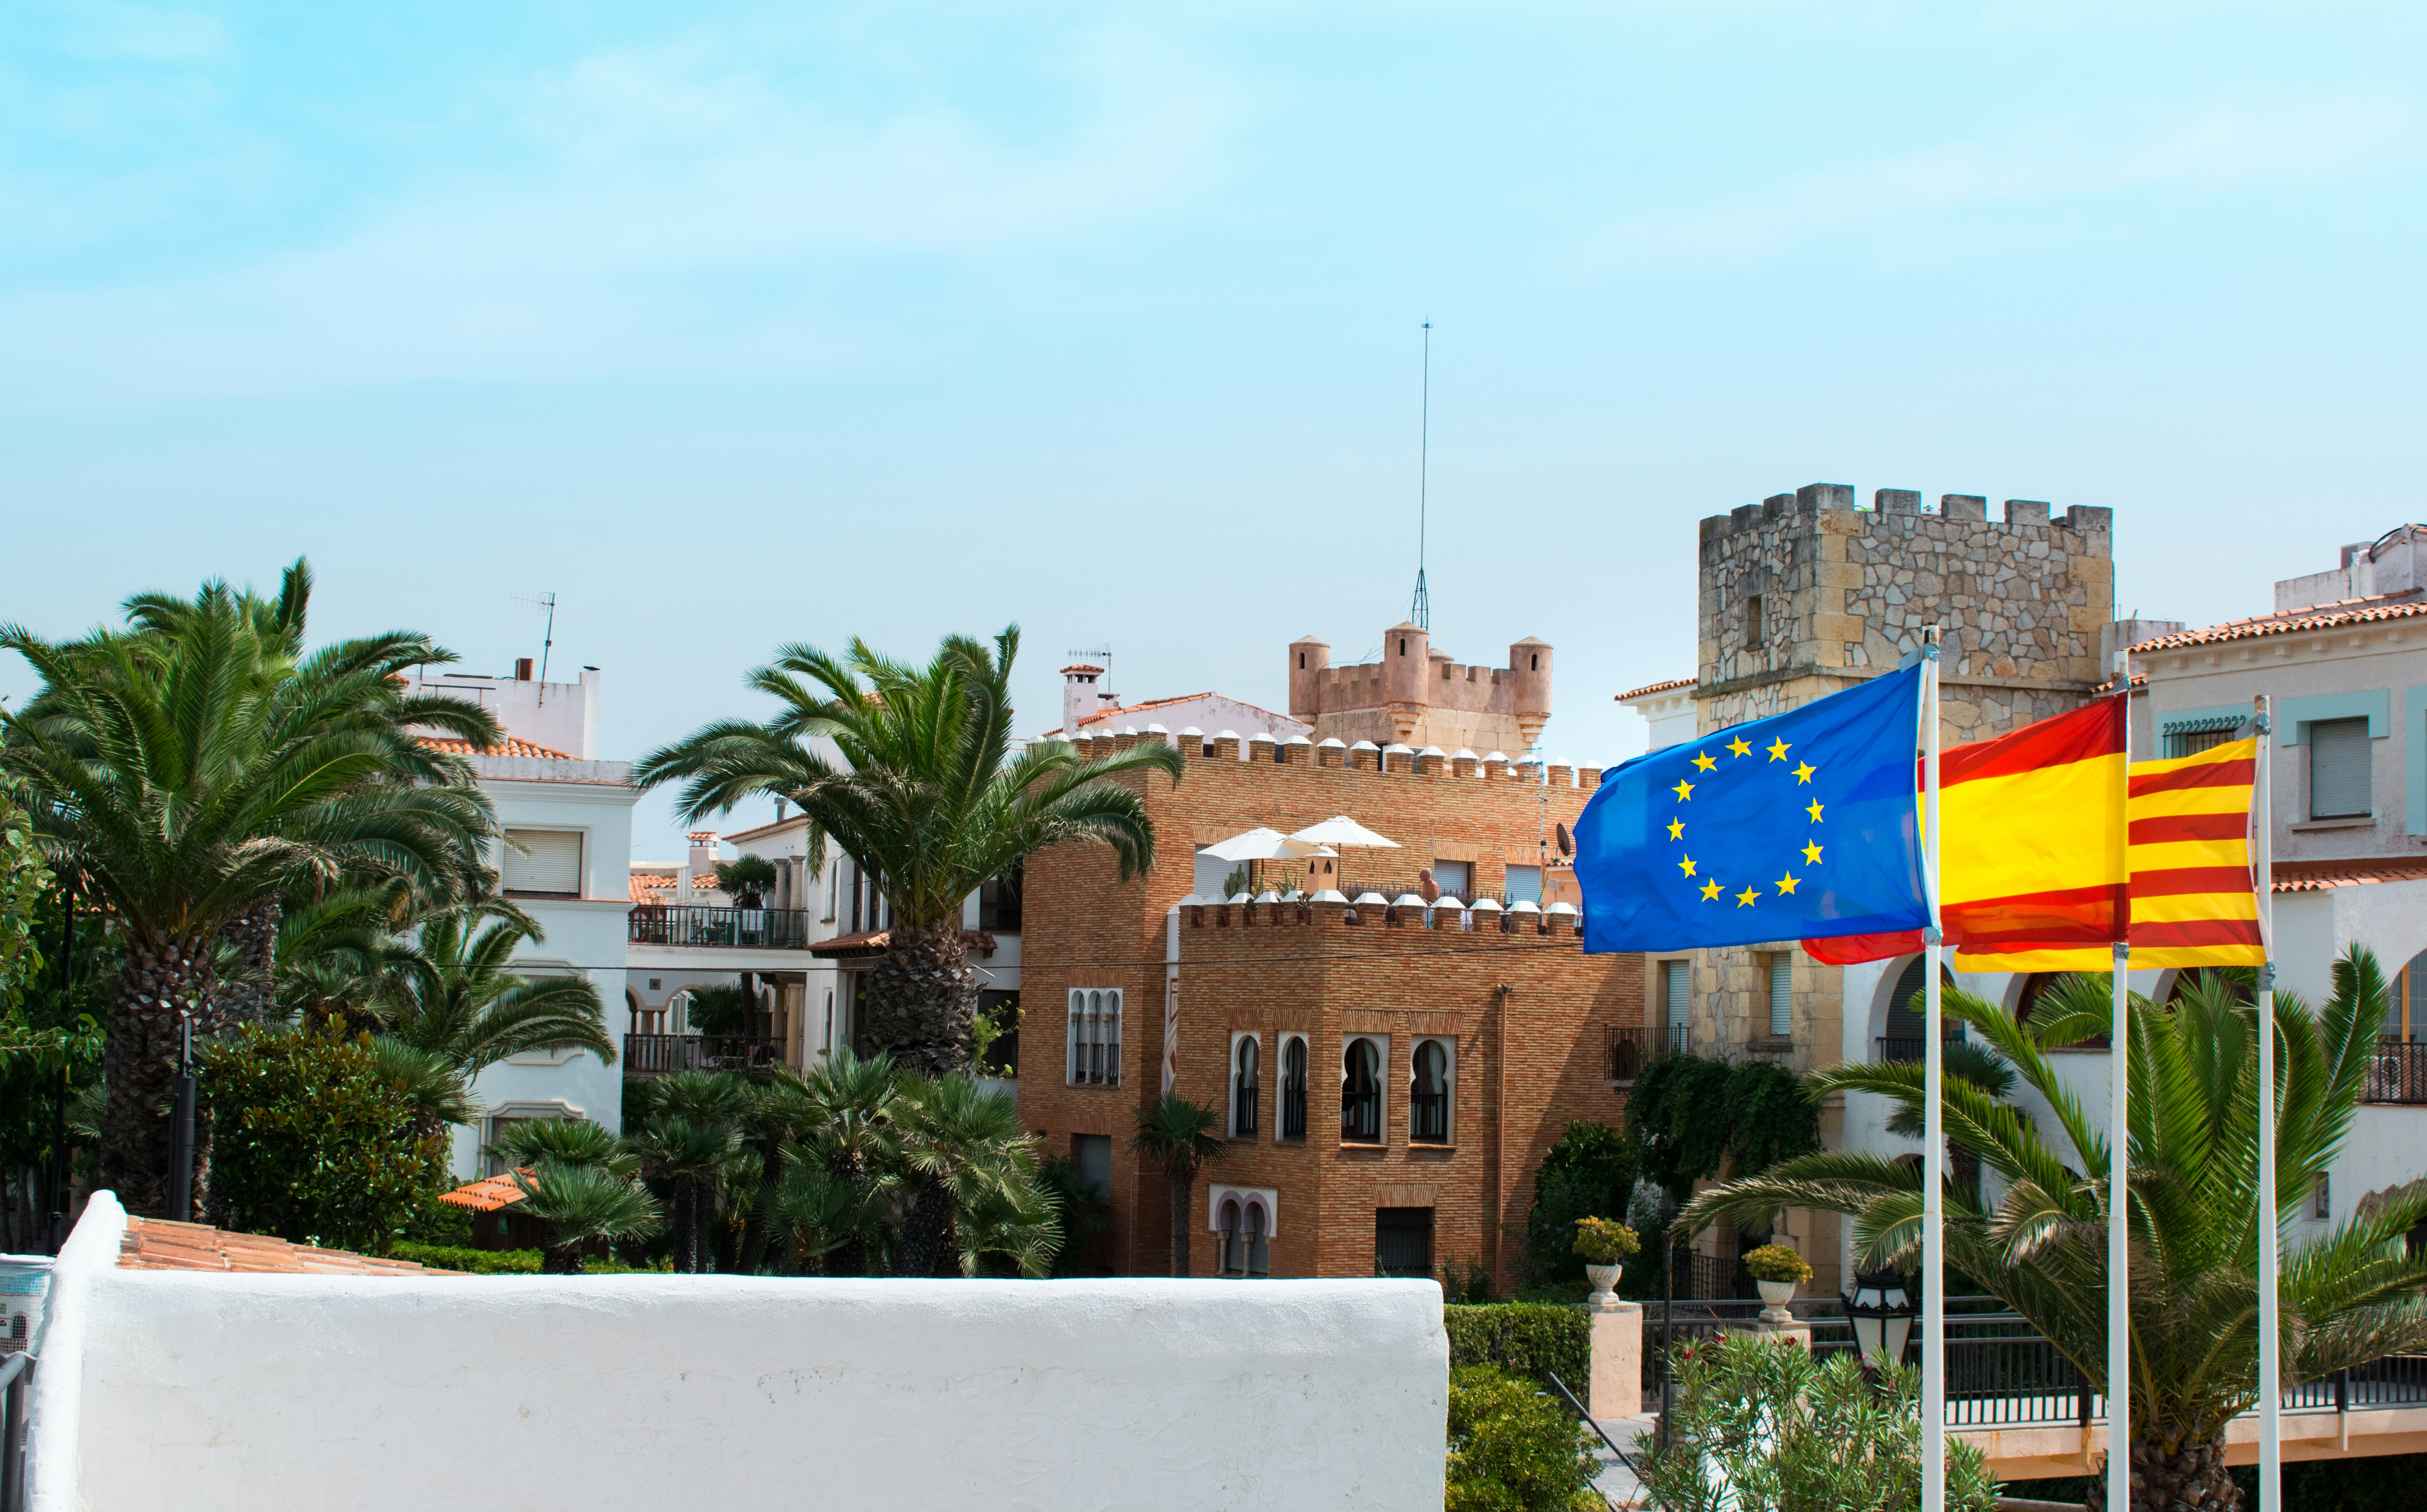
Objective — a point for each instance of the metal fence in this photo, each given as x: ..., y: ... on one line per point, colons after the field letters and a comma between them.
x: 774, y: 929
x: 2396, y: 1072
x: 656, y: 1054
x: 1627, y: 1049
x: 16, y: 1389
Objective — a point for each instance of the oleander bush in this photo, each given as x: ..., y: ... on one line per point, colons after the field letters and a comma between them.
x: 1529, y: 1339
x: 1514, y: 1449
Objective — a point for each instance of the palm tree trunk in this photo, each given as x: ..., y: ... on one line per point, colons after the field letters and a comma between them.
x: 2193, y: 1478
x: 254, y: 935
x: 686, y: 1232
x: 923, y: 999
x: 761, y: 1227
x: 561, y: 1259
x: 139, y: 1062
x: 850, y: 1167
x: 1182, y: 1183
x: 926, y: 1234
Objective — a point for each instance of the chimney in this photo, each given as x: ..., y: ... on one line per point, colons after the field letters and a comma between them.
x: 1079, y: 696
x: 703, y: 857
x: 522, y: 668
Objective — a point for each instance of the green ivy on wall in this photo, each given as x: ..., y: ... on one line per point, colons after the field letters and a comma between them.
x: 1695, y: 1117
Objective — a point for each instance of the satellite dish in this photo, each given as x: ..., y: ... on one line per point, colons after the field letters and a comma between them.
x: 1566, y: 845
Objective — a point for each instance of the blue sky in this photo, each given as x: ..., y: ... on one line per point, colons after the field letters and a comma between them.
x: 734, y: 325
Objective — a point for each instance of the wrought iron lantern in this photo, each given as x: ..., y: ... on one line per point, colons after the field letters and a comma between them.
x: 1882, y: 1311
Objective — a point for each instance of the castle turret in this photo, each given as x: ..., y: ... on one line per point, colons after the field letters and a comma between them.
x: 1417, y: 696
x: 1529, y: 670
x: 1309, y: 658
x: 1407, y: 656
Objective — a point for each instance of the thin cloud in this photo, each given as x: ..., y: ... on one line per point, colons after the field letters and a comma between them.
x: 1906, y: 194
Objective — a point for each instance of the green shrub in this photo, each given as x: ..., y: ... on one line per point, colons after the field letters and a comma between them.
x: 1530, y: 1338
x: 1606, y: 1241
x: 1512, y: 1449
x: 312, y: 1141
x: 498, y: 1261
x: 1776, y: 1263
x: 1589, y: 1171
x: 1468, y: 1281
x: 1765, y: 1424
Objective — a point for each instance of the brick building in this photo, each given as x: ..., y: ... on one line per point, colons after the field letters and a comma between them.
x: 1389, y: 1075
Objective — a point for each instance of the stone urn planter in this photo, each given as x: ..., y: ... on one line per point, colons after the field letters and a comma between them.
x: 1604, y: 1283
x: 1777, y: 1294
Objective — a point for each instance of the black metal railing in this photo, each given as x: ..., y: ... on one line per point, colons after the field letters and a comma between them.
x: 1294, y: 1112
x: 1627, y: 1049
x: 16, y: 1395
x: 2396, y: 1072
x: 1428, y: 1117
x: 657, y: 1054
x: 1243, y: 1107
x: 1360, y: 1118
x: 774, y: 929
x: 1895, y: 1049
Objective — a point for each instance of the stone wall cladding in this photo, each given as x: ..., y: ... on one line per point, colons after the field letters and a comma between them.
x: 1084, y: 927
x: 1845, y: 593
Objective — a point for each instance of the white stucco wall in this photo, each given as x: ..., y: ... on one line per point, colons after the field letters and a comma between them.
x: 275, y: 1391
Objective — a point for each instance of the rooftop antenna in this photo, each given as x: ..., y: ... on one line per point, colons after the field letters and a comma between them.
x: 1422, y: 610
x: 1101, y: 655
x: 547, y: 603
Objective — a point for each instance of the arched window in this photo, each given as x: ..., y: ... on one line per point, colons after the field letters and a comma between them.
x: 1294, y: 1087
x: 1095, y: 1036
x: 1258, y: 1258
x: 1361, y: 1091
x: 1902, y: 1039
x: 1428, y: 1105
x: 1230, y: 1255
x: 1247, y: 1087
x: 2405, y: 1007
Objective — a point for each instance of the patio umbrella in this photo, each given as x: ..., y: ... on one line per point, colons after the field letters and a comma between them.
x: 1264, y: 845
x: 1342, y: 830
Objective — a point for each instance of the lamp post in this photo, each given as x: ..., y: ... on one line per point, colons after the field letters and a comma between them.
x: 1882, y: 1311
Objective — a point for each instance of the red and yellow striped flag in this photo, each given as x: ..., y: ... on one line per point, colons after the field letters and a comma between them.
x: 2194, y: 902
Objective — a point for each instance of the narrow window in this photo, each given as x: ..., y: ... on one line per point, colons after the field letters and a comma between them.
x: 2321, y: 1200
x: 1301, y: 662
x: 1677, y: 999
x: 1246, y: 1092
x: 1259, y: 1260
x: 1782, y: 995
x: 828, y: 1038
x: 1428, y: 1105
x: 1294, y: 1088
x: 1752, y: 620
x: 1360, y: 1094
x: 1536, y: 660
x: 1403, y: 645
x: 1230, y: 1257
x: 2338, y: 774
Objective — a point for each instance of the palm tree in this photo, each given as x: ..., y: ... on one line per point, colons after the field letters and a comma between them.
x: 2349, y: 1297
x: 692, y: 1139
x: 462, y: 998
x: 438, y: 1091
x: 857, y: 1101
x: 818, y: 1215
x: 1984, y: 1068
x: 581, y: 1205
x: 965, y: 1154
x: 534, y: 1142
x: 922, y: 790
x: 1185, y: 1138
x: 186, y: 788
x: 783, y: 1111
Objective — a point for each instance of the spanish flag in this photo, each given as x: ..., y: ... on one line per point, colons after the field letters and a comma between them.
x: 2031, y: 845
x: 2045, y: 861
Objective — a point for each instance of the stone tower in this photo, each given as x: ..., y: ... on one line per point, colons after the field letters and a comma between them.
x: 1416, y: 695
x: 1804, y: 594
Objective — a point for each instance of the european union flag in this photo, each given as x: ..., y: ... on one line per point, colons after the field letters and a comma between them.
x: 1800, y: 826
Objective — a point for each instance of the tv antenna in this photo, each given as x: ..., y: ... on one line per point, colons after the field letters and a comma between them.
x: 545, y: 603
x: 1422, y: 610
x: 1099, y: 655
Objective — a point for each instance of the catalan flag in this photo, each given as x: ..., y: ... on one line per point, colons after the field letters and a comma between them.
x: 2194, y: 902
x: 2031, y: 845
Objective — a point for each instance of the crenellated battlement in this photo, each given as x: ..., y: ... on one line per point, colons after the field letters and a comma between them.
x: 1291, y: 922
x: 1260, y: 753
x: 1417, y: 696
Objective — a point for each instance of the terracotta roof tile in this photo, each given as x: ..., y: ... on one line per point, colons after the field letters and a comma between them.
x: 2317, y: 617
x: 1668, y: 687
x: 157, y: 1245
x: 512, y: 748
x: 2324, y: 876
x: 651, y: 887
x: 486, y: 1195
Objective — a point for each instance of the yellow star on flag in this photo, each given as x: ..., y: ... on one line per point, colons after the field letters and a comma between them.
x: 1815, y: 811
x: 1803, y: 772
x: 1687, y: 866
x: 1676, y: 829
x: 1704, y: 762
x: 1810, y: 853
x: 1710, y: 890
x: 1778, y: 750
x: 1684, y: 790
x: 1747, y: 897
x: 1787, y: 884
x: 1738, y: 747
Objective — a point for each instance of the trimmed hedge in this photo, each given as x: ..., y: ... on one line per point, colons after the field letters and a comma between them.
x: 463, y: 1257
x: 1530, y: 1338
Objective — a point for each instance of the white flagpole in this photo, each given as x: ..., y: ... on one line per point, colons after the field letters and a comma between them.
x: 2118, y: 1141
x: 1934, y: 1179
x: 2270, y: 1379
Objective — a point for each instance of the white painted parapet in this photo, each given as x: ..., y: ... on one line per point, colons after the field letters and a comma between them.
x: 208, y: 1390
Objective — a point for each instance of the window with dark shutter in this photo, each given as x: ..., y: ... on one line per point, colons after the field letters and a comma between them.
x: 2338, y: 774
x: 546, y: 862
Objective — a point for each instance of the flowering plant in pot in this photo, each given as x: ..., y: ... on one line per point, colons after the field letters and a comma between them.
x: 1605, y: 1244
x: 1778, y: 1271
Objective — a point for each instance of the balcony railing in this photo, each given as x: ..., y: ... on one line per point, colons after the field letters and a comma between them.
x: 1293, y: 1110
x: 774, y: 929
x: 1895, y: 1049
x: 1428, y: 1117
x: 657, y: 1054
x: 2396, y: 1072
x: 1627, y: 1049
x: 1360, y: 1118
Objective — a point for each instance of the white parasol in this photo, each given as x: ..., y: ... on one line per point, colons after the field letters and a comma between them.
x: 1342, y: 830
x: 1264, y: 845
